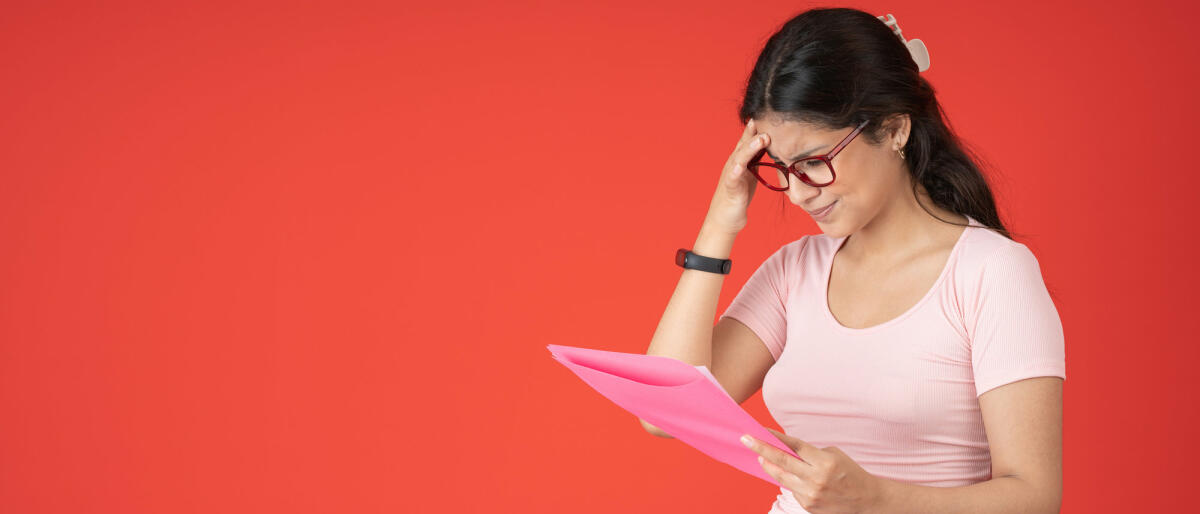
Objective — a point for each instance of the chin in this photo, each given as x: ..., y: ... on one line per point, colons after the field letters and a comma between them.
x: 833, y: 229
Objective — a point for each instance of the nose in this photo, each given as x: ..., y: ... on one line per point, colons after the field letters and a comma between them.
x: 800, y: 193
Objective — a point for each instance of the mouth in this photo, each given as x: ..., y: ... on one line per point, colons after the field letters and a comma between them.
x: 820, y: 213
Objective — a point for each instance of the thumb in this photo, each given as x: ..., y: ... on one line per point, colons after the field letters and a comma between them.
x: 735, y: 177
x: 782, y: 436
x: 792, y: 442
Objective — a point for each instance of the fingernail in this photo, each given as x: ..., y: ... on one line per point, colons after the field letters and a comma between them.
x: 746, y: 440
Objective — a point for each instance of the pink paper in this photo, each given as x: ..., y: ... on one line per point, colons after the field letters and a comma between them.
x: 683, y: 400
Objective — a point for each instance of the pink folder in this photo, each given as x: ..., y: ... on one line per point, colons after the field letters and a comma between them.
x: 683, y: 400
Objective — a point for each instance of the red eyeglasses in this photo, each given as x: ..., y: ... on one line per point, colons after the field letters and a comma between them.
x: 816, y: 171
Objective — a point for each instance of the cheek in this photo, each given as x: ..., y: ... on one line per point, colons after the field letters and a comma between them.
x: 862, y: 196
x: 858, y: 193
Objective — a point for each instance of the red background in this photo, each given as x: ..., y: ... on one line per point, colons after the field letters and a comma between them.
x: 307, y: 259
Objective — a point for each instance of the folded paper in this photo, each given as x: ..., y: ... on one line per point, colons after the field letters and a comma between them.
x: 683, y: 400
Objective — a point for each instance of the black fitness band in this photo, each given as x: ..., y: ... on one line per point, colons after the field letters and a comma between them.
x: 684, y: 258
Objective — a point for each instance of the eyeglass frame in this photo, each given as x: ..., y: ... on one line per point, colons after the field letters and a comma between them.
x: 827, y: 158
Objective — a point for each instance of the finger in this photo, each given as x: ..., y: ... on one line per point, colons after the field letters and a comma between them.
x: 782, y: 459
x: 808, y: 453
x: 745, y: 153
x: 749, y: 131
x: 750, y: 152
x: 748, y: 134
x: 787, y: 439
x: 782, y: 437
x: 785, y: 478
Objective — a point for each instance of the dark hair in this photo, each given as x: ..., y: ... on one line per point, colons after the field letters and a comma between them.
x: 837, y: 67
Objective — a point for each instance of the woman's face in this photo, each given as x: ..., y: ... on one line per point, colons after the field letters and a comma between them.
x: 868, y: 177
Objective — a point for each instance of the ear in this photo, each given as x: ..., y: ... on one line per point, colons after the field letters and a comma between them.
x: 897, y: 130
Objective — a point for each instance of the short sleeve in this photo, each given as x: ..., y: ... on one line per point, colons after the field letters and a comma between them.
x: 1015, y: 332
x: 760, y: 303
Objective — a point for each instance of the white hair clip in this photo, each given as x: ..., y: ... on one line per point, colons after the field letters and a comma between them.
x: 916, y: 47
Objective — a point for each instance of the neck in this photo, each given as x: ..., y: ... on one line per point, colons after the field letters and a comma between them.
x: 901, y: 229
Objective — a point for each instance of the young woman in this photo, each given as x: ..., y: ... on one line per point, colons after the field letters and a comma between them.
x: 911, y: 352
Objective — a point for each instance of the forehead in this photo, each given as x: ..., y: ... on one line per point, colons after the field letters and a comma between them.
x: 789, y: 129
x: 788, y: 137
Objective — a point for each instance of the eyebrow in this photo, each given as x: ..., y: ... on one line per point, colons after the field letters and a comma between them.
x: 802, y: 155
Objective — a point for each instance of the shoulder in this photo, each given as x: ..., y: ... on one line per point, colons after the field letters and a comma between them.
x: 790, y: 258
x: 999, y: 277
x: 808, y: 250
x: 994, y: 273
x: 789, y: 252
x: 807, y: 256
x: 987, y: 253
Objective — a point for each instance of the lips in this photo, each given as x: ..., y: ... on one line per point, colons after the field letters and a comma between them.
x: 822, y: 211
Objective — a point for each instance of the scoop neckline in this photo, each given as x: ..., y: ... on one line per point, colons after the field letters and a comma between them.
x: 828, y: 270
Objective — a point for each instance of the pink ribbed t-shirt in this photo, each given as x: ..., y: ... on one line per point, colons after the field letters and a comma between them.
x: 901, y: 397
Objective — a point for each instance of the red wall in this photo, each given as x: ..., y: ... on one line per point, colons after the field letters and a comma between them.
x: 307, y: 259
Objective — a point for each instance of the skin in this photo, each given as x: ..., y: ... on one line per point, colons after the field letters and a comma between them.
x: 895, y: 252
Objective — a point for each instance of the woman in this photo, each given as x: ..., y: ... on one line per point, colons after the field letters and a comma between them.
x: 911, y: 352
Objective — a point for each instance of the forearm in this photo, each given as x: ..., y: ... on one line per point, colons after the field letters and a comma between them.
x: 1000, y: 495
x: 686, y: 328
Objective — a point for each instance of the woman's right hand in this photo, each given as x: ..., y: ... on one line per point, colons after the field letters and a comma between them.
x: 736, y: 186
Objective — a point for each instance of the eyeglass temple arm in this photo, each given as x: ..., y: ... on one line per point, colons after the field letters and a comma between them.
x: 846, y: 141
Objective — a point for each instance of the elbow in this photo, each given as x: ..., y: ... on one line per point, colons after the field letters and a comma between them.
x: 1047, y: 498
x: 1050, y: 505
x: 1054, y: 506
x: 1052, y: 499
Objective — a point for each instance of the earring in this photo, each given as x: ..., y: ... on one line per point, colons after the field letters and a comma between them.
x: 901, y: 151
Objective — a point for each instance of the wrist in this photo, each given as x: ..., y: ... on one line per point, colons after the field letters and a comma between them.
x: 714, y: 242
x: 884, y: 490
x: 717, y: 228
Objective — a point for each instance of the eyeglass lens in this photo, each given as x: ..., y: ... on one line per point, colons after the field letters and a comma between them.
x: 817, y: 171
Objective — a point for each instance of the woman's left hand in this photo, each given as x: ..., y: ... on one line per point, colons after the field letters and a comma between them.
x: 825, y: 481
